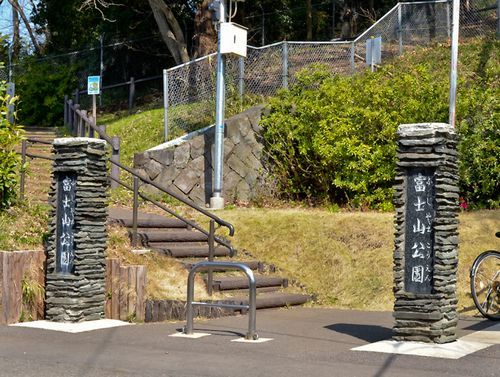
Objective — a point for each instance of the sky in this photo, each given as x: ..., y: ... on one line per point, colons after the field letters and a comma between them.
x: 6, y: 18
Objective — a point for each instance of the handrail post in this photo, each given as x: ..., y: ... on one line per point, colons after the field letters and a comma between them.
x: 91, y: 129
x: 135, y: 211
x: 211, y: 252
x: 23, y: 173
x: 115, y: 156
x: 131, y: 94
x: 189, y: 304
x: 81, y: 125
x: 77, y: 96
x: 252, y: 310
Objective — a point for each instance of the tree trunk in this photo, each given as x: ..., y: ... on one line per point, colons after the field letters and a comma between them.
x: 16, y: 43
x: 205, y: 38
x: 19, y: 10
x: 170, y: 30
x: 309, y: 36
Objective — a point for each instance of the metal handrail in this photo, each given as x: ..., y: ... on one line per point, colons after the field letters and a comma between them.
x: 176, y: 215
x: 114, y: 176
x: 252, y: 300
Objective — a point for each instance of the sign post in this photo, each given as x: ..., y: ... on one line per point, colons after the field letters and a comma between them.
x: 94, y: 89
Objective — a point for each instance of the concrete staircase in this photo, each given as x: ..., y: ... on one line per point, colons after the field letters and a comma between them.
x: 174, y: 238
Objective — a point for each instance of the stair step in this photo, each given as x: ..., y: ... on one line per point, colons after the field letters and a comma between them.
x: 171, y: 235
x: 253, y: 265
x: 243, y: 292
x: 230, y: 283
x: 273, y: 300
x: 143, y: 223
x: 188, y: 251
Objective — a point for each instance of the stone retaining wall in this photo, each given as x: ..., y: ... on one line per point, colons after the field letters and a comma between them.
x: 186, y: 167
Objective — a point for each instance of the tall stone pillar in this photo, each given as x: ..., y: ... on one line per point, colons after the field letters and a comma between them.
x: 76, y: 247
x: 426, y: 242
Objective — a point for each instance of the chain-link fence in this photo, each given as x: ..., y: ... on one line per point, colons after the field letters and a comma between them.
x: 191, y: 86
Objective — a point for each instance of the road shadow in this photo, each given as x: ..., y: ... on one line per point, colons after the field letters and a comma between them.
x: 368, y: 333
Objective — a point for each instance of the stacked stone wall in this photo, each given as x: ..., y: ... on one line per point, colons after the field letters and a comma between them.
x: 77, y: 293
x: 429, y: 317
x: 187, y: 168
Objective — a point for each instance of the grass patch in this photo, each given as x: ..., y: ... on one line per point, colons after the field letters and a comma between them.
x: 346, y: 258
x: 23, y: 227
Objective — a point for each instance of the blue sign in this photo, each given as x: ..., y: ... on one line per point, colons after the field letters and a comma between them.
x: 93, y: 85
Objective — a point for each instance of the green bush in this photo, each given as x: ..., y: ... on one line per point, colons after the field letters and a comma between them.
x: 42, y: 86
x: 10, y: 137
x: 332, y: 138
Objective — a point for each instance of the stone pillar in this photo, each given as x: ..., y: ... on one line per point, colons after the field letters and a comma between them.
x: 426, y: 239
x: 76, y: 247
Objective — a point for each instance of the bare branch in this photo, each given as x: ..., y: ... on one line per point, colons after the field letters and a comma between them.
x: 98, y: 5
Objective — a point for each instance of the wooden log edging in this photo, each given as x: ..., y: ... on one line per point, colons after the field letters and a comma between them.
x: 18, y: 268
x: 125, y: 291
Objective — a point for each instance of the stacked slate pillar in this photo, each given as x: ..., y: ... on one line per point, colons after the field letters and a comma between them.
x: 426, y: 239
x: 76, y: 247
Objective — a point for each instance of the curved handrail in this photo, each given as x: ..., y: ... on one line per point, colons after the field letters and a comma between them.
x: 178, y: 197
x: 111, y: 141
x: 183, y: 219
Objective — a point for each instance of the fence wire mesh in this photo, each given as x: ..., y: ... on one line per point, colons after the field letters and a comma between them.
x: 191, y: 87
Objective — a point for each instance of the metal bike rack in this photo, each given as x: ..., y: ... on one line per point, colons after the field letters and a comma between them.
x: 251, y: 307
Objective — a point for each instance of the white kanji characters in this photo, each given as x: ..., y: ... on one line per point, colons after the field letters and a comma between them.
x: 417, y: 274
x: 67, y: 183
x: 66, y: 221
x: 66, y: 202
x: 65, y: 240
x: 419, y: 183
x: 418, y: 250
x: 419, y: 205
x: 420, y: 227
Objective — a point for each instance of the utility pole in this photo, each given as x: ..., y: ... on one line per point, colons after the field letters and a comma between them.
x: 454, y: 62
x: 217, y: 200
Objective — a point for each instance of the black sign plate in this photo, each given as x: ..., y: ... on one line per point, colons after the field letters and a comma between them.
x: 419, y: 232
x: 65, y: 252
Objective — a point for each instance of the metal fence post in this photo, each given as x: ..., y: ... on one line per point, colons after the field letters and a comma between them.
x: 400, y: 29
x: 65, y: 109
x: 353, y: 51
x: 498, y: 19
x: 115, y: 156
x: 77, y: 96
x: 448, y: 25
x: 285, y: 65
x: 131, y: 94
x: 165, y: 105
x: 241, y: 78
x: 135, y: 211
x: 70, y: 116
x: 23, y: 173
x: 74, y: 130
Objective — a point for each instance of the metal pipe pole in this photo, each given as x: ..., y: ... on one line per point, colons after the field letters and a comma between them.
x: 454, y: 62
x: 101, y: 67
x: 284, y: 80
x: 165, y: 105
x: 400, y: 29
x: 217, y: 200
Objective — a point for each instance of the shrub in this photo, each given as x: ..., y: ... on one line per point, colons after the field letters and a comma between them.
x: 10, y: 136
x: 332, y: 138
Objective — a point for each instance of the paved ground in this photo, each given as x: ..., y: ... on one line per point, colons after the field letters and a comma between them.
x: 307, y: 342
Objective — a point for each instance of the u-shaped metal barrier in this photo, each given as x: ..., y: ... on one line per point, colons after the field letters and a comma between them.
x: 251, y: 307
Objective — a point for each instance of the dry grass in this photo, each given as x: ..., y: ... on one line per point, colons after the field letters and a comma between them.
x: 166, y: 278
x: 346, y: 258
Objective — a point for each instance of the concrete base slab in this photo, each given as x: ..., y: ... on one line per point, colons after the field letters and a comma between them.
x: 73, y: 327
x: 195, y: 335
x: 243, y: 340
x: 453, y: 350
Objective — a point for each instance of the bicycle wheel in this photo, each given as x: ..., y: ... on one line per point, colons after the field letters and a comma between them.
x: 485, y: 284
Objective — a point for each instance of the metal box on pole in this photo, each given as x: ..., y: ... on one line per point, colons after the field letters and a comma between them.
x: 233, y: 39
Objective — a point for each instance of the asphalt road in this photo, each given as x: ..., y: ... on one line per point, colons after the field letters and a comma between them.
x: 306, y: 342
